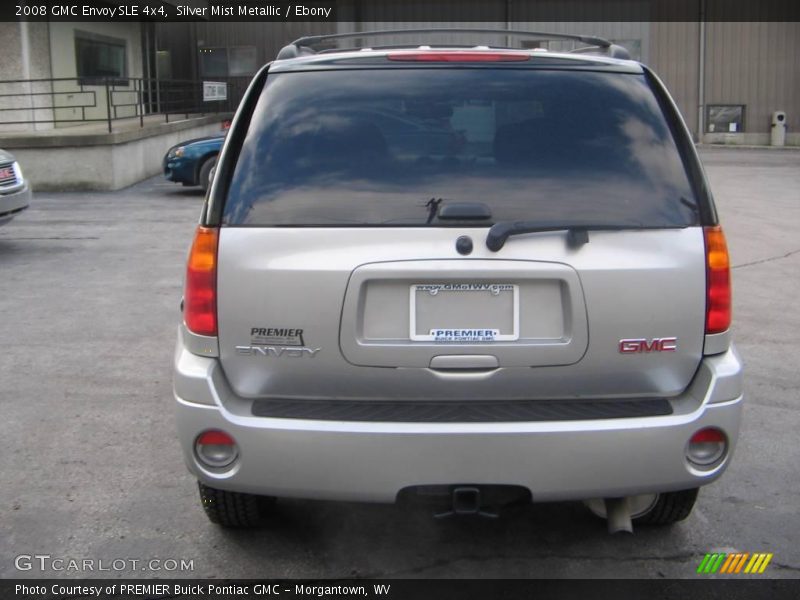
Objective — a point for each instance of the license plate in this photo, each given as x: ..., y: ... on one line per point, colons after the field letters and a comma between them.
x: 464, y: 312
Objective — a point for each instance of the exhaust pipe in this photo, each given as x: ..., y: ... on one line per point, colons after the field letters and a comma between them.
x: 618, y: 515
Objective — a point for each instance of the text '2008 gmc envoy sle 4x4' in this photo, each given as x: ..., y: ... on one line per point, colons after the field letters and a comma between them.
x: 456, y: 270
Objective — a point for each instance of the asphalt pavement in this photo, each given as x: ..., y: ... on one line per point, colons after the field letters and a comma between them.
x: 90, y: 467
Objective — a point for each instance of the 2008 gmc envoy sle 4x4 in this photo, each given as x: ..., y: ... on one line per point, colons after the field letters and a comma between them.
x: 455, y: 270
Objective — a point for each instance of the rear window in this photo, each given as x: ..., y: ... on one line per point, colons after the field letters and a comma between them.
x: 373, y: 147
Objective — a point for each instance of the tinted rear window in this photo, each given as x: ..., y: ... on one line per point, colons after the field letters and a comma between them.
x: 372, y: 147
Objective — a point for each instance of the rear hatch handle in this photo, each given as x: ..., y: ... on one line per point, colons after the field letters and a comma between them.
x: 457, y: 211
x: 464, y: 211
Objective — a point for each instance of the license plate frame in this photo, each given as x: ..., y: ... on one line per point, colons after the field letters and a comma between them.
x: 471, y: 334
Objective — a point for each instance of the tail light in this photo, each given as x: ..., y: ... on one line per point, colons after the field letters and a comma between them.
x: 459, y: 56
x: 200, y: 295
x: 718, y: 281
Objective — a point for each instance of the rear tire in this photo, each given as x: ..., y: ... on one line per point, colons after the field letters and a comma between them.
x: 204, y: 174
x: 670, y: 508
x: 234, y: 509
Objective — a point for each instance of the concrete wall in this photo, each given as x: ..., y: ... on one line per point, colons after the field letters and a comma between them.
x: 13, y: 49
x: 33, y: 51
x: 748, y: 139
x: 674, y: 56
x: 63, y: 60
x: 758, y: 65
x: 25, y: 54
x: 105, y: 161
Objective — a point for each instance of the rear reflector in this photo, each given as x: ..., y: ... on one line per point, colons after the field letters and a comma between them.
x: 216, y: 449
x: 708, y: 435
x: 459, y: 56
x: 200, y: 295
x: 707, y: 447
x: 718, y: 281
x: 215, y: 437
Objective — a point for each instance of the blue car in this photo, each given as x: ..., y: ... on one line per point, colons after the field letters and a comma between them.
x: 191, y: 162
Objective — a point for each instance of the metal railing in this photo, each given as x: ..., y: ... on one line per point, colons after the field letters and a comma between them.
x: 31, y: 103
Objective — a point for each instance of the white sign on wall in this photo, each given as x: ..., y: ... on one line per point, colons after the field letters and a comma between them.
x: 214, y: 90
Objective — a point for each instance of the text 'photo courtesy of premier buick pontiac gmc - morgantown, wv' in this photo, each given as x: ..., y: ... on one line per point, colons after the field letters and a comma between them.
x: 459, y: 273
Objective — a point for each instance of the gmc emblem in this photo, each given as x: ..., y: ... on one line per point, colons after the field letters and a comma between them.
x: 668, y: 344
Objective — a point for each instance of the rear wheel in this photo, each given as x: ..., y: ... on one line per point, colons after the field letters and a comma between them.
x: 204, y: 175
x: 654, y: 509
x: 234, y: 509
x: 670, y: 508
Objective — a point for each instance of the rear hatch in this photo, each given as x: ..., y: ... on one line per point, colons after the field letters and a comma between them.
x: 353, y: 256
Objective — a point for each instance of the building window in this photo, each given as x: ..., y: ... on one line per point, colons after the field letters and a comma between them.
x: 224, y: 62
x: 242, y: 60
x: 98, y: 57
x: 725, y: 118
x: 214, y: 62
x: 163, y: 64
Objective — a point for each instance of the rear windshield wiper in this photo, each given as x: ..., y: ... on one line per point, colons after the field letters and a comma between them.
x: 577, y: 233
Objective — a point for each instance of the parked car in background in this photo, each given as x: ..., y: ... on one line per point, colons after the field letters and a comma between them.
x: 191, y: 162
x: 15, y: 193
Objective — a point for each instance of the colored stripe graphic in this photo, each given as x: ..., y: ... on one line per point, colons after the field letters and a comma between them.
x: 742, y: 560
x: 703, y: 563
x: 729, y: 562
x: 701, y: 567
x: 765, y: 563
x: 717, y: 563
x: 759, y: 563
x: 733, y: 563
x: 754, y: 564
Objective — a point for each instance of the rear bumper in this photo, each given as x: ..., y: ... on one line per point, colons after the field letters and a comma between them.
x: 373, y: 461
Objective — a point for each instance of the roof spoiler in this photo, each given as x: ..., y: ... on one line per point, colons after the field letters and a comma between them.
x: 304, y: 46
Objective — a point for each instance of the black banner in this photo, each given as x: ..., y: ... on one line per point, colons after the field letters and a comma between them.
x: 406, y: 11
x: 412, y: 589
x: 157, y: 11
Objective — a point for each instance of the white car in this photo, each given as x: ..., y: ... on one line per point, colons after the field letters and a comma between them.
x: 15, y: 193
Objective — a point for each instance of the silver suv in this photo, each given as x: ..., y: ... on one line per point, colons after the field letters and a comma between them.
x: 447, y: 271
